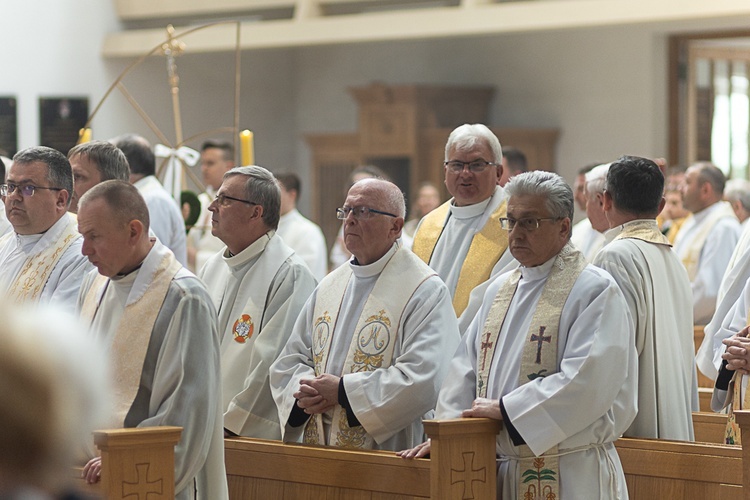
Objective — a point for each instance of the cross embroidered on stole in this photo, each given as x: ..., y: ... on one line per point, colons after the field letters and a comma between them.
x: 374, y: 340
x: 539, y: 476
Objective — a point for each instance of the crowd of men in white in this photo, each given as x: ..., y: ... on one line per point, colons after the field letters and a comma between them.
x: 496, y: 306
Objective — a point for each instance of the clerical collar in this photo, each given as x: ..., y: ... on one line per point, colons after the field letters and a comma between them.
x: 614, y: 232
x: 252, y: 251
x: 537, y: 272
x: 374, y: 269
x: 133, y: 273
x: 470, y: 211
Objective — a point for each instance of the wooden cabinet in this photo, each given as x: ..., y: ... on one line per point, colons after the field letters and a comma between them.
x: 403, y: 130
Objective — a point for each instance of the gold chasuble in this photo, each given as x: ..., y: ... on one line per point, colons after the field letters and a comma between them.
x: 539, y: 476
x: 485, y: 250
x: 29, y: 283
x: 374, y: 340
x: 130, y: 343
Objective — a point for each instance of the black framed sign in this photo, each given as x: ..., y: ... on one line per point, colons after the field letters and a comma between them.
x: 60, y: 119
x: 8, y: 126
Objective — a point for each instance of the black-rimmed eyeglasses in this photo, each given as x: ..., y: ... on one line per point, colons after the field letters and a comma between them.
x: 221, y: 199
x: 359, y: 212
x: 26, y: 190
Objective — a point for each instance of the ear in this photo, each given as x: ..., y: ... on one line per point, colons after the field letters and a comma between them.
x: 62, y: 199
x: 565, y: 227
x: 499, y: 171
x: 397, y: 226
x: 607, y: 201
x: 135, y: 230
x: 600, y: 199
x: 257, y: 212
x: 662, y: 203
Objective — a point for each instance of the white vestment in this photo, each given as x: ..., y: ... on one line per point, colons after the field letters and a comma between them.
x: 258, y: 294
x: 166, y: 220
x: 5, y: 225
x: 714, y: 256
x: 736, y: 275
x: 657, y: 291
x: 64, y: 280
x: 307, y: 241
x: 583, y: 408
x: 388, y: 402
x: 587, y: 239
x: 179, y: 382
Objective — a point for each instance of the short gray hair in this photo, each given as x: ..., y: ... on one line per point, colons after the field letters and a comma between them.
x: 738, y: 190
x: 261, y: 188
x: 467, y: 136
x: 596, y: 180
x: 109, y: 160
x: 558, y: 195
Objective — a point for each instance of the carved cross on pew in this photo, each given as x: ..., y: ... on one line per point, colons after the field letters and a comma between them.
x: 540, y: 339
x: 142, y: 487
x: 468, y: 475
x: 486, y: 346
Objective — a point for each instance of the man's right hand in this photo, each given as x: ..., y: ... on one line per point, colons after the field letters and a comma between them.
x: 419, y: 451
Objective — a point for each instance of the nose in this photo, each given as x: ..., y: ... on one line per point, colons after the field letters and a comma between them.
x: 213, y: 206
x: 86, y: 249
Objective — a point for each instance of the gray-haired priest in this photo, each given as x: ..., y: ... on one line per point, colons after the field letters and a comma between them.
x: 552, y: 354
x: 372, y: 345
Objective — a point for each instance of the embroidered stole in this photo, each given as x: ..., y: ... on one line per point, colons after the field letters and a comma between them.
x: 374, y: 340
x: 487, y: 246
x: 539, y: 476
x: 645, y: 230
x: 732, y: 433
x: 691, y: 258
x: 130, y: 343
x: 32, y: 278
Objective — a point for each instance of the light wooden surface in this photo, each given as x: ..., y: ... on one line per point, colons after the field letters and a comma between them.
x: 709, y: 427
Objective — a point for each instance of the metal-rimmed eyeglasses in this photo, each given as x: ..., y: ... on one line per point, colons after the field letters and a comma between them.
x: 525, y: 223
x: 221, y: 199
x: 475, y: 167
x: 26, y: 190
x: 360, y: 213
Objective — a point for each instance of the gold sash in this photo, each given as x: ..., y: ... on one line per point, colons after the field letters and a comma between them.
x: 732, y: 433
x: 133, y: 334
x: 540, y: 476
x: 691, y: 259
x: 32, y: 278
x: 375, y: 338
x: 487, y: 246
x: 644, y: 230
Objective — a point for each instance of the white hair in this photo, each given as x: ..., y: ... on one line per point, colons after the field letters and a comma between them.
x: 596, y: 179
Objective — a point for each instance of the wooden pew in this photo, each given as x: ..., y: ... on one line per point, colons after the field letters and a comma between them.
x: 462, y: 465
x: 137, y: 464
x: 709, y: 427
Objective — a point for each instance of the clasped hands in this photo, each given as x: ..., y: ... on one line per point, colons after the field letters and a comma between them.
x: 737, y: 353
x: 319, y: 394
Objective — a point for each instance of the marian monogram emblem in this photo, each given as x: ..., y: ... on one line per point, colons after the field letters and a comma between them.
x: 372, y: 340
x: 321, y: 332
x: 243, y: 329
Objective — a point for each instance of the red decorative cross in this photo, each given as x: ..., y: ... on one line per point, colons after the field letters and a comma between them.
x: 539, y: 339
x: 468, y: 475
x: 486, y: 346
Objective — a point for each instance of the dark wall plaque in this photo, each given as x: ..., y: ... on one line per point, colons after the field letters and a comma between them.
x: 8, y: 126
x: 60, y: 119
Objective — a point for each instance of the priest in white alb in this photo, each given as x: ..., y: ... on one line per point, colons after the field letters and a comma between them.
x: 258, y: 285
x: 593, y: 191
x: 551, y: 354
x: 159, y: 326
x: 40, y: 259
x: 461, y: 239
x: 372, y: 345
x: 657, y: 289
x: 707, y: 238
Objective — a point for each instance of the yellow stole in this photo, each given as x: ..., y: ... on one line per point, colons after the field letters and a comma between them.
x: 539, y: 476
x: 645, y: 230
x: 374, y: 340
x: 133, y: 334
x: 732, y: 433
x: 485, y: 250
x: 30, y: 282
x: 691, y: 258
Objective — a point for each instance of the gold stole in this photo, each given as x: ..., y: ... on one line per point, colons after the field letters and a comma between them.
x: 35, y: 272
x: 485, y: 250
x: 645, y: 230
x: 691, y: 258
x: 133, y: 334
x: 375, y: 338
x: 732, y: 433
x: 540, y: 476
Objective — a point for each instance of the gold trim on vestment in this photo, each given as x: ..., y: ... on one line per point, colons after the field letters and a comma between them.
x: 540, y: 474
x: 487, y: 246
x: 644, y: 230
